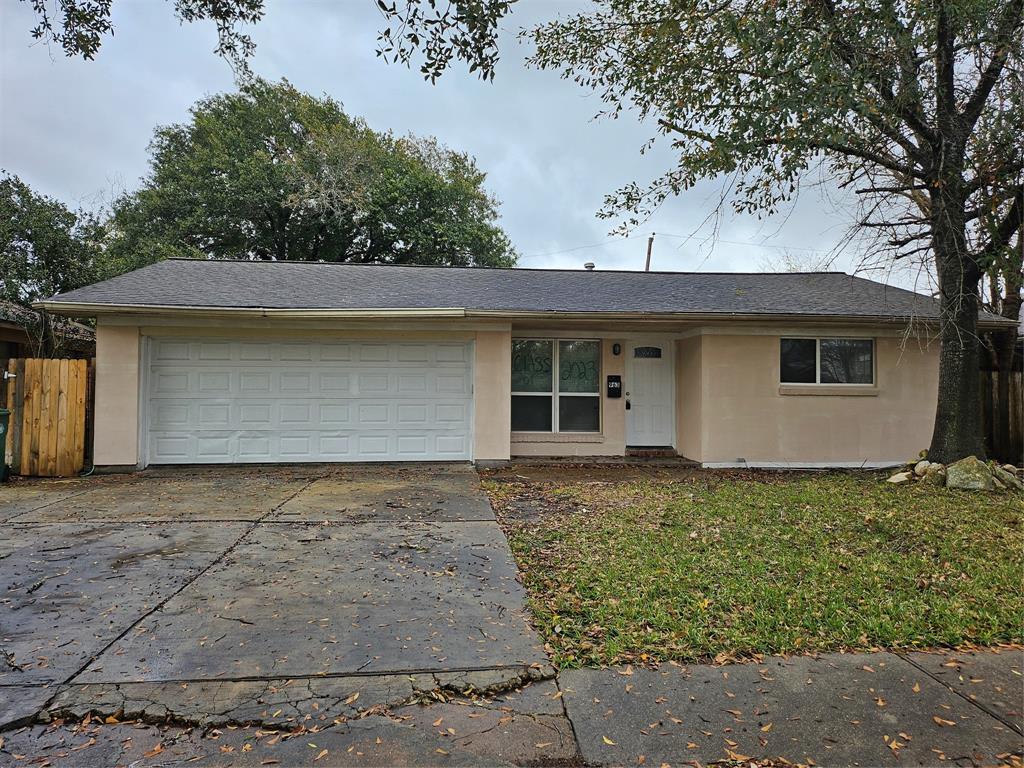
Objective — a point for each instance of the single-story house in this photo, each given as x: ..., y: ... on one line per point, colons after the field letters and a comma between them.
x: 241, y: 361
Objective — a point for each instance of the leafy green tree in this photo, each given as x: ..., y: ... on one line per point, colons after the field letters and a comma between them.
x: 79, y: 26
x: 273, y: 173
x: 918, y: 106
x: 45, y: 248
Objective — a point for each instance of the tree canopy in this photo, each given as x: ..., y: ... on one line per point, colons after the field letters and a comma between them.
x: 45, y: 248
x: 917, y: 107
x: 270, y: 172
x: 79, y: 26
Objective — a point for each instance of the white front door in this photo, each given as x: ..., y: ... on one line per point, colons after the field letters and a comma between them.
x: 650, y: 418
x: 233, y: 400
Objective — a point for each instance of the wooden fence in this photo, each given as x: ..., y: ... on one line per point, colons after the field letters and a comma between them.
x: 1014, y: 452
x: 48, y: 400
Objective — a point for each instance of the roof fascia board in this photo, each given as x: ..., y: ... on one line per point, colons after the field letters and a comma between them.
x: 96, y: 309
x: 728, y: 317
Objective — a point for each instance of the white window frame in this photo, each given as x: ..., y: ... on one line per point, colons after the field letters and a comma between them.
x: 817, y: 363
x: 555, y: 393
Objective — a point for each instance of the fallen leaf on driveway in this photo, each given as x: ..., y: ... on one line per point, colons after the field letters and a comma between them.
x: 942, y: 721
x: 155, y: 751
x: 608, y: 741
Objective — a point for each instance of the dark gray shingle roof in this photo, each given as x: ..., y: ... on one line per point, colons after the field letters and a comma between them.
x: 304, y: 285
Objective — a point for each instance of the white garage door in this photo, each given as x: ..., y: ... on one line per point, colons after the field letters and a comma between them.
x: 212, y: 401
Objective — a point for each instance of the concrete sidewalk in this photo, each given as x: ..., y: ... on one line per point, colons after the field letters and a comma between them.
x: 852, y: 709
x: 960, y: 708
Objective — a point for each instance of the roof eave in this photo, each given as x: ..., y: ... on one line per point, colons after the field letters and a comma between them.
x: 95, y: 309
x: 719, y: 316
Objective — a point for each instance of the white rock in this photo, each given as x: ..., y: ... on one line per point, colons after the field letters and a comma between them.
x: 921, y: 467
x: 899, y: 478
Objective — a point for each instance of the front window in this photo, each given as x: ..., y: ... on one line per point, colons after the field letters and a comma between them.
x: 827, y: 361
x: 555, y: 385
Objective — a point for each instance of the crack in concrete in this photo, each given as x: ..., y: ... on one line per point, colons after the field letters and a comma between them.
x: 224, y: 703
x: 47, y: 504
x: 220, y: 558
x: 987, y: 710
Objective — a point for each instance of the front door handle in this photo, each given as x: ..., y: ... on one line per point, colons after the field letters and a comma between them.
x: 628, y: 405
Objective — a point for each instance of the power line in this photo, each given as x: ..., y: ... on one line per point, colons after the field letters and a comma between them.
x: 608, y: 243
x: 745, y: 242
x: 604, y: 244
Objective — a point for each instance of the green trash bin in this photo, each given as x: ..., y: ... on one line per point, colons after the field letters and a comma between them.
x: 5, y: 420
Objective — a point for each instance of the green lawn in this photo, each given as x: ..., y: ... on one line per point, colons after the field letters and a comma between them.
x: 716, y: 565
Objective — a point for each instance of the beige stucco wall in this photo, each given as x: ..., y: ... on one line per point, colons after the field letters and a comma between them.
x: 492, y: 382
x: 744, y: 412
x: 610, y: 441
x: 729, y: 403
x: 116, y: 421
x: 689, y: 398
x: 118, y: 348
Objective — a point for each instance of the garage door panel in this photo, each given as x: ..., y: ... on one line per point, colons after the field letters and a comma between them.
x: 452, y: 445
x: 248, y: 401
x: 255, y: 447
x: 218, y: 351
x: 373, y: 353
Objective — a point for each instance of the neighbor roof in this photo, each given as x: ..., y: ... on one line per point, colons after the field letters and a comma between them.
x: 25, y: 318
x: 220, y: 284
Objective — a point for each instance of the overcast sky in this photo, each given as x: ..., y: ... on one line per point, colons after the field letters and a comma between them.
x: 78, y: 130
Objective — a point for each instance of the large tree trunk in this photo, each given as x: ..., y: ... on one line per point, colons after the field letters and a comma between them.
x: 958, y: 428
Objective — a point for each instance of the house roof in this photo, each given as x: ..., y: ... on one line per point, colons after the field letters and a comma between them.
x: 178, y: 284
x: 15, y: 314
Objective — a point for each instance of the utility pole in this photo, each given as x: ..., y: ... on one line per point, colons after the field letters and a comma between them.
x: 650, y: 245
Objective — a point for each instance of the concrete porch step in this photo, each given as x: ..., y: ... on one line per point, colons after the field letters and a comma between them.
x: 651, y: 452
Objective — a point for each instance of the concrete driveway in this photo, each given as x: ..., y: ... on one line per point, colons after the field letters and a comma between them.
x: 256, y: 595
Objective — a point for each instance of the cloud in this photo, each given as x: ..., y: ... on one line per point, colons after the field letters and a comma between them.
x: 77, y: 129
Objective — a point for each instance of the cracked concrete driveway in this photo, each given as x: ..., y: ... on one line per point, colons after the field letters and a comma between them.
x: 256, y: 595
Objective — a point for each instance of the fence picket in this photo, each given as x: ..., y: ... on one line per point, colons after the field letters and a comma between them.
x: 48, y: 401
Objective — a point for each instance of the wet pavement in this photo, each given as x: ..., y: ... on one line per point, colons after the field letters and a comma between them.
x: 372, y: 615
x: 834, y: 709
x: 136, y: 587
